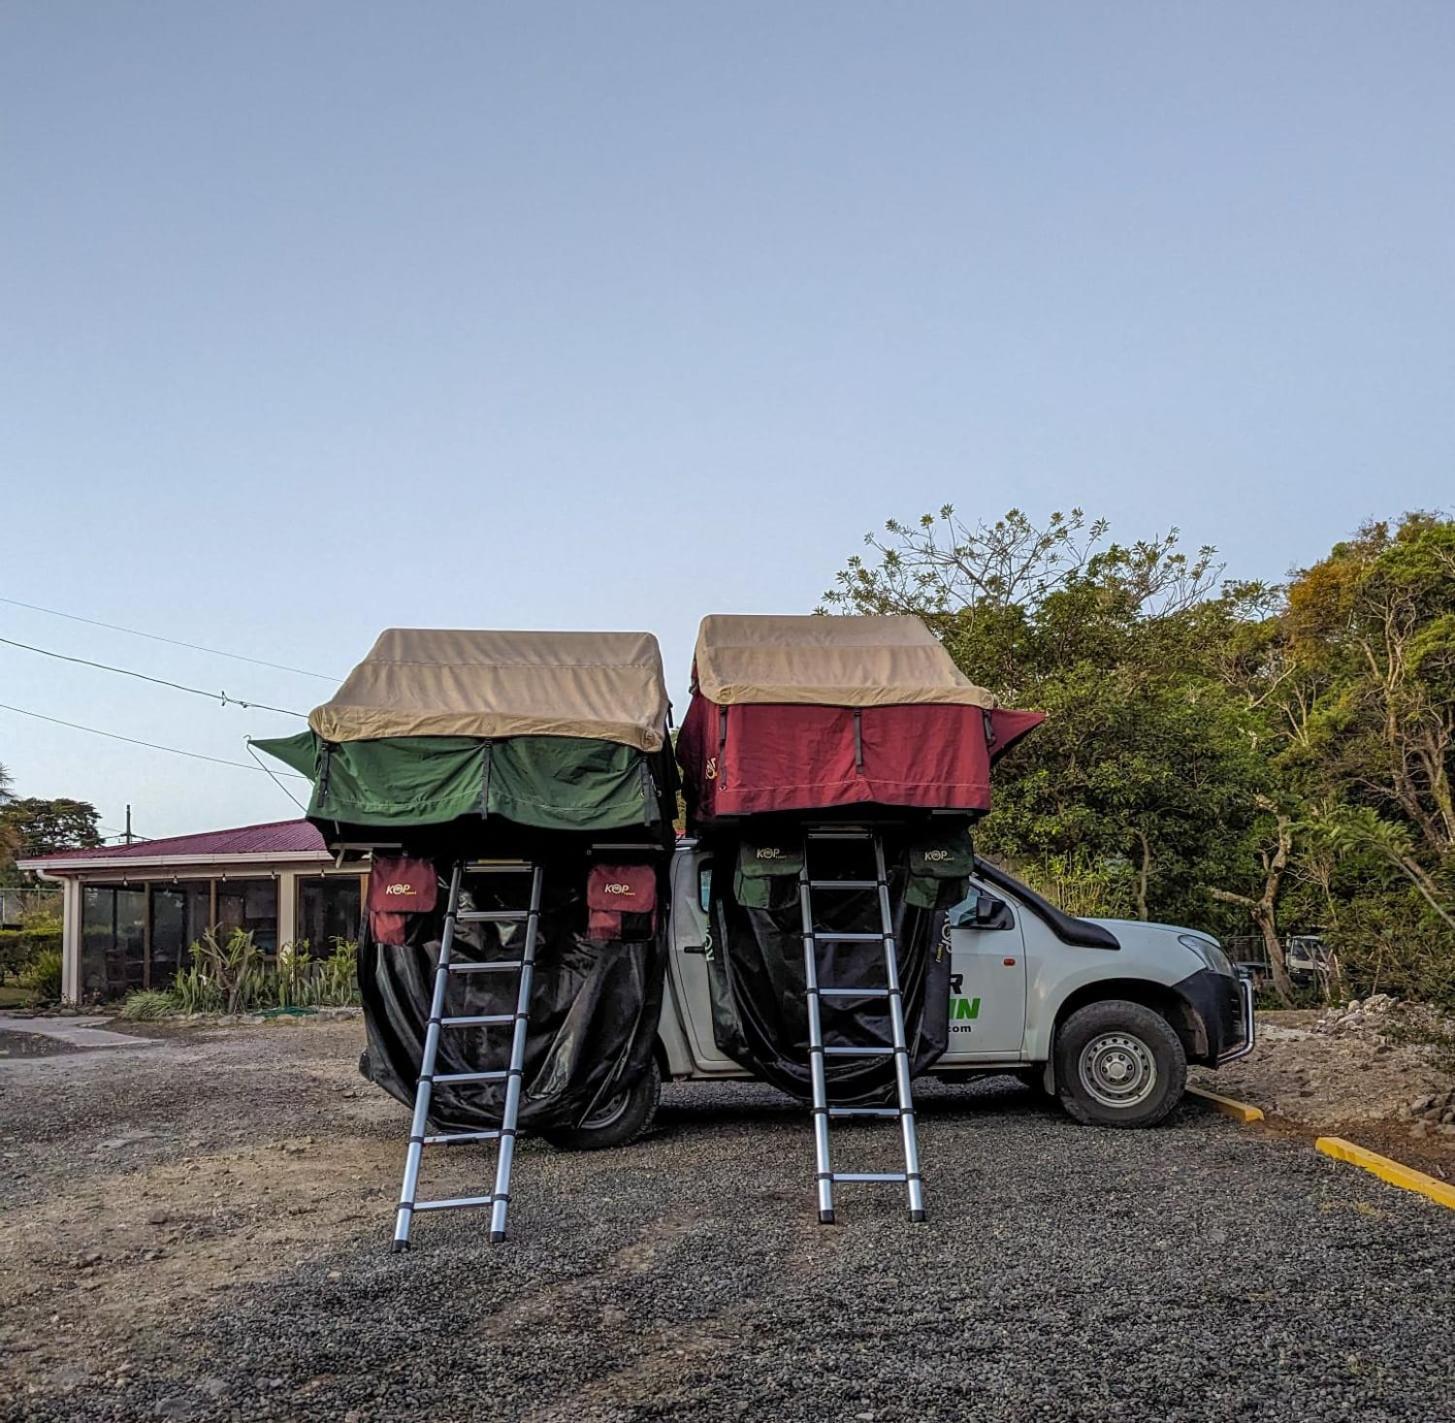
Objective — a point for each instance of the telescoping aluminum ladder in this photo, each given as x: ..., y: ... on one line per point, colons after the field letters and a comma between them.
x: 823, y: 1113
x: 504, y: 1135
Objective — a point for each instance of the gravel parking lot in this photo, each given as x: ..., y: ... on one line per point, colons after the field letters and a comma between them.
x: 198, y: 1228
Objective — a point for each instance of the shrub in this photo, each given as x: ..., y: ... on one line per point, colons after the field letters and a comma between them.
x: 43, y: 976
x: 292, y: 975
x: 19, y: 947
x: 145, y: 1005
x: 336, y: 981
x: 226, y: 977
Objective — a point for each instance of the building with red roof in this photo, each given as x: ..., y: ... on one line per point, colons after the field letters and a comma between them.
x: 131, y: 912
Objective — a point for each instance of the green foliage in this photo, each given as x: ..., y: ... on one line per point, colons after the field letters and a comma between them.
x: 1239, y: 758
x: 336, y: 978
x: 19, y: 947
x: 44, y: 826
x: 42, y: 979
x: 145, y: 1005
x: 224, y: 977
x: 235, y: 978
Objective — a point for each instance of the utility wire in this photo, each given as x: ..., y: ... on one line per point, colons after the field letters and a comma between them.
x: 151, y: 745
x: 172, y: 641
x: 157, y: 681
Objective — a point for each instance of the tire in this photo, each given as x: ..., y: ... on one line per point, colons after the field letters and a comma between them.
x: 365, y: 1069
x: 1119, y: 1064
x: 618, y: 1122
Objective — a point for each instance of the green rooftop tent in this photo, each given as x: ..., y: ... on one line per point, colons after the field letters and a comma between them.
x: 553, y: 747
x: 546, y: 730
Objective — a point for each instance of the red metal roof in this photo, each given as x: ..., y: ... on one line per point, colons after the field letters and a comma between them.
x: 277, y: 837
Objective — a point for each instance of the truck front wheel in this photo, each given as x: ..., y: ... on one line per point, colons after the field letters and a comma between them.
x: 616, y: 1122
x: 1119, y: 1064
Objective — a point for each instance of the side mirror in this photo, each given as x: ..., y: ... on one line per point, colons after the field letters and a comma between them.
x: 980, y: 911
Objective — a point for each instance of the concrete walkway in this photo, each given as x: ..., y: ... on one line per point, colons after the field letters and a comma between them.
x: 75, y: 1032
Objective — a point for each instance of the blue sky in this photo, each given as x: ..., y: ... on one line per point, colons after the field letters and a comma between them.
x: 323, y: 317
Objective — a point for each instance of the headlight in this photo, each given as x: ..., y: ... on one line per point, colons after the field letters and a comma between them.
x: 1209, y: 952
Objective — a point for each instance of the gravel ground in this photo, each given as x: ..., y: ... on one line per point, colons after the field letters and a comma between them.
x: 1199, y: 1271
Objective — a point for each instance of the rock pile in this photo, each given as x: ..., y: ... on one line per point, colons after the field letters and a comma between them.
x: 1382, y: 1019
x: 1430, y: 1115
x: 1371, y: 1017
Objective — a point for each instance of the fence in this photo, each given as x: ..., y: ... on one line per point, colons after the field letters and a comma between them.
x: 17, y: 904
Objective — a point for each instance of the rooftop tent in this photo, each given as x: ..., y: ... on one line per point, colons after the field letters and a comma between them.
x: 797, y: 722
x: 547, y: 730
x: 545, y: 746
x: 813, y: 713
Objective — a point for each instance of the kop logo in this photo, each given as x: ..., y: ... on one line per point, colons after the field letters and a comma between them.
x: 618, y: 889
x: 400, y: 889
x: 770, y: 852
x: 936, y: 857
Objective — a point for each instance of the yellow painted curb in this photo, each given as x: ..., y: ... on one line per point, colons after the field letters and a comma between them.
x: 1405, y: 1177
x: 1226, y: 1105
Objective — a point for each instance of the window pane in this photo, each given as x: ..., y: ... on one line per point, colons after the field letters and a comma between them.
x: 127, y: 962
x: 169, y: 933
x: 250, y: 905
x: 328, y: 909
x: 98, y: 933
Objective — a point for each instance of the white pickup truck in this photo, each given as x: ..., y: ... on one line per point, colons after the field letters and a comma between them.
x: 1104, y: 1015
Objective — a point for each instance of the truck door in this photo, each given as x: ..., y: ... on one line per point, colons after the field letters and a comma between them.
x: 691, y: 944
x: 987, y: 978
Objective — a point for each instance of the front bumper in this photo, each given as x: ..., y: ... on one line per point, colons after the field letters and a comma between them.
x: 1249, y: 1025
x: 1225, y: 1006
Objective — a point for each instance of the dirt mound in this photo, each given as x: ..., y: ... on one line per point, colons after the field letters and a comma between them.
x: 1378, y: 1062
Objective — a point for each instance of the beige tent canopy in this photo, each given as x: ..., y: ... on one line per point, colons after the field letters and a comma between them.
x: 605, y: 686
x: 829, y: 661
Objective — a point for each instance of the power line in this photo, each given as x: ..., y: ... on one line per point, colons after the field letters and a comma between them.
x: 151, y: 745
x: 157, y: 681
x: 172, y: 641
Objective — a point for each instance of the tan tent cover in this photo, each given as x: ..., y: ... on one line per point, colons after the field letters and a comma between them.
x: 606, y: 686
x: 828, y: 661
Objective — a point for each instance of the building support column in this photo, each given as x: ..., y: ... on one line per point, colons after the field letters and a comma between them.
x: 287, y: 907
x: 71, y: 927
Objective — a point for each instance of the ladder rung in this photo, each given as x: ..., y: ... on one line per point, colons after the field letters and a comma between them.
x: 499, y: 1076
x: 863, y: 1111
x: 497, y: 966
x: 852, y: 992
x: 478, y: 1020
x: 492, y: 916
x: 896, y: 1176
x: 454, y: 1203
x: 843, y: 884
x: 825, y: 937
x: 450, y: 1138
x: 854, y: 1052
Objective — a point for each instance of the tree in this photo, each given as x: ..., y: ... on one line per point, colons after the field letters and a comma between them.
x: 40, y: 827
x: 1284, y: 755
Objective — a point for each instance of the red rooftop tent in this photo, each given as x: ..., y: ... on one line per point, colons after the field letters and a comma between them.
x: 815, y: 713
x: 801, y: 723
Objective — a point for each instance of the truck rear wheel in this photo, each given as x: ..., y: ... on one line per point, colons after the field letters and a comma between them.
x: 616, y: 1122
x: 1119, y: 1064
